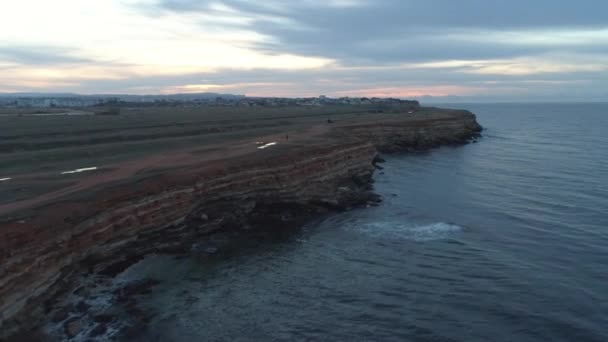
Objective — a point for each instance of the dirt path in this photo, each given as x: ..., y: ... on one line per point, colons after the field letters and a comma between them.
x: 176, y: 158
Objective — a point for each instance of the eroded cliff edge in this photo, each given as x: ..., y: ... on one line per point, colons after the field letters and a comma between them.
x: 104, y: 227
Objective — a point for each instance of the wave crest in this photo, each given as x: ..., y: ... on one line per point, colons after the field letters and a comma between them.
x: 424, y: 232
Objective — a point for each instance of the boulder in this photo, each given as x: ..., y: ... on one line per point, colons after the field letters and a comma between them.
x: 73, y: 327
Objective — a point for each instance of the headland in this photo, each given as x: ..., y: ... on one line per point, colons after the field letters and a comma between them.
x: 278, y: 172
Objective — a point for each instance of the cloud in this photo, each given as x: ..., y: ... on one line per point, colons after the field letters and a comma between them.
x: 39, y: 55
x: 307, y: 47
x: 392, y: 31
x: 403, y: 81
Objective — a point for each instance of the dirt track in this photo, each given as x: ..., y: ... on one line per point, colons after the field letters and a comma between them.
x: 151, y: 157
x: 162, y: 161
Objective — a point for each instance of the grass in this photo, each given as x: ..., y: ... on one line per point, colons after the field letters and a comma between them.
x: 51, y: 143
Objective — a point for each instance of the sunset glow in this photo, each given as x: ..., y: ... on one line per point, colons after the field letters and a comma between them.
x: 150, y: 46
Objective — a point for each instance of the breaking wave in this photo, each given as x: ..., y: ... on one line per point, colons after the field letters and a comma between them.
x: 424, y: 232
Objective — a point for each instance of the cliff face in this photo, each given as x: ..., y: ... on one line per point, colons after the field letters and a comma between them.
x: 38, y: 256
x: 106, y: 229
x: 450, y: 128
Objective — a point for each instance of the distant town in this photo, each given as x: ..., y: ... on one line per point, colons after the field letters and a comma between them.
x: 29, y: 100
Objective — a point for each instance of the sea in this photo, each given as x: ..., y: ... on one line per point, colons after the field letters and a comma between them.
x: 505, y: 239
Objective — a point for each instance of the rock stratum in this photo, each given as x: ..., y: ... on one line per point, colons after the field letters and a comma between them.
x: 110, y: 219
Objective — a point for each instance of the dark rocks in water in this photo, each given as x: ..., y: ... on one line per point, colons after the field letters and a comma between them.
x: 373, y: 197
x: 103, y: 318
x: 34, y: 335
x: 204, y: 248
x: 118, y: 266
x: 135, y: 288
x: 348, y: 197
x: 378, y: 159
x: 81, y: 291
x: 361, y: 181
x: 329, y: 203
x: 131, y: 331
x: 82, y: 306
x: 211, y: 250
x: 373, y: 200
x: 99, y: 330
x: 73, y: 327
x: 61, y: 315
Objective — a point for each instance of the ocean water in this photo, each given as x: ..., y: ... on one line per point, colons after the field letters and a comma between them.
x: 503, y: 240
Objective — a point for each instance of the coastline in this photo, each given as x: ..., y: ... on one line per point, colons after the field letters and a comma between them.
x: 109, y: 220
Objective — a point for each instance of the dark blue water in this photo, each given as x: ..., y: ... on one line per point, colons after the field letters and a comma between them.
x: 504, y: 240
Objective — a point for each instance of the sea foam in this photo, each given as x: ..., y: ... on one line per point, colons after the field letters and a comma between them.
x: 422, y: 232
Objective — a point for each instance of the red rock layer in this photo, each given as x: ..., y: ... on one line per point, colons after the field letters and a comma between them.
x: 100, y: 230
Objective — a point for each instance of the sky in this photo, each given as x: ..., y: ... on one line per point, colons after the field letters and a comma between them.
x: 544, y: 50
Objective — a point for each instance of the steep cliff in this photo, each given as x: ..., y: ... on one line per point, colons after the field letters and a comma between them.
x: 105, y: 228
x: 448, y: 127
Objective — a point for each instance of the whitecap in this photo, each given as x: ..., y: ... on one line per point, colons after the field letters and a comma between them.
x: 423, y: 232
x: 5, y: 179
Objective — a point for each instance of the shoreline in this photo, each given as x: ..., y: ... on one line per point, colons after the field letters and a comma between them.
x: 105, y: 222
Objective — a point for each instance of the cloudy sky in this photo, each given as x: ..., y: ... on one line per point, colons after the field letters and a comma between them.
x: 477, y: 49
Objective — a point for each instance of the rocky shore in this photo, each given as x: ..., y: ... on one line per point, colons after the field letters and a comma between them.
x: 105, y: 225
